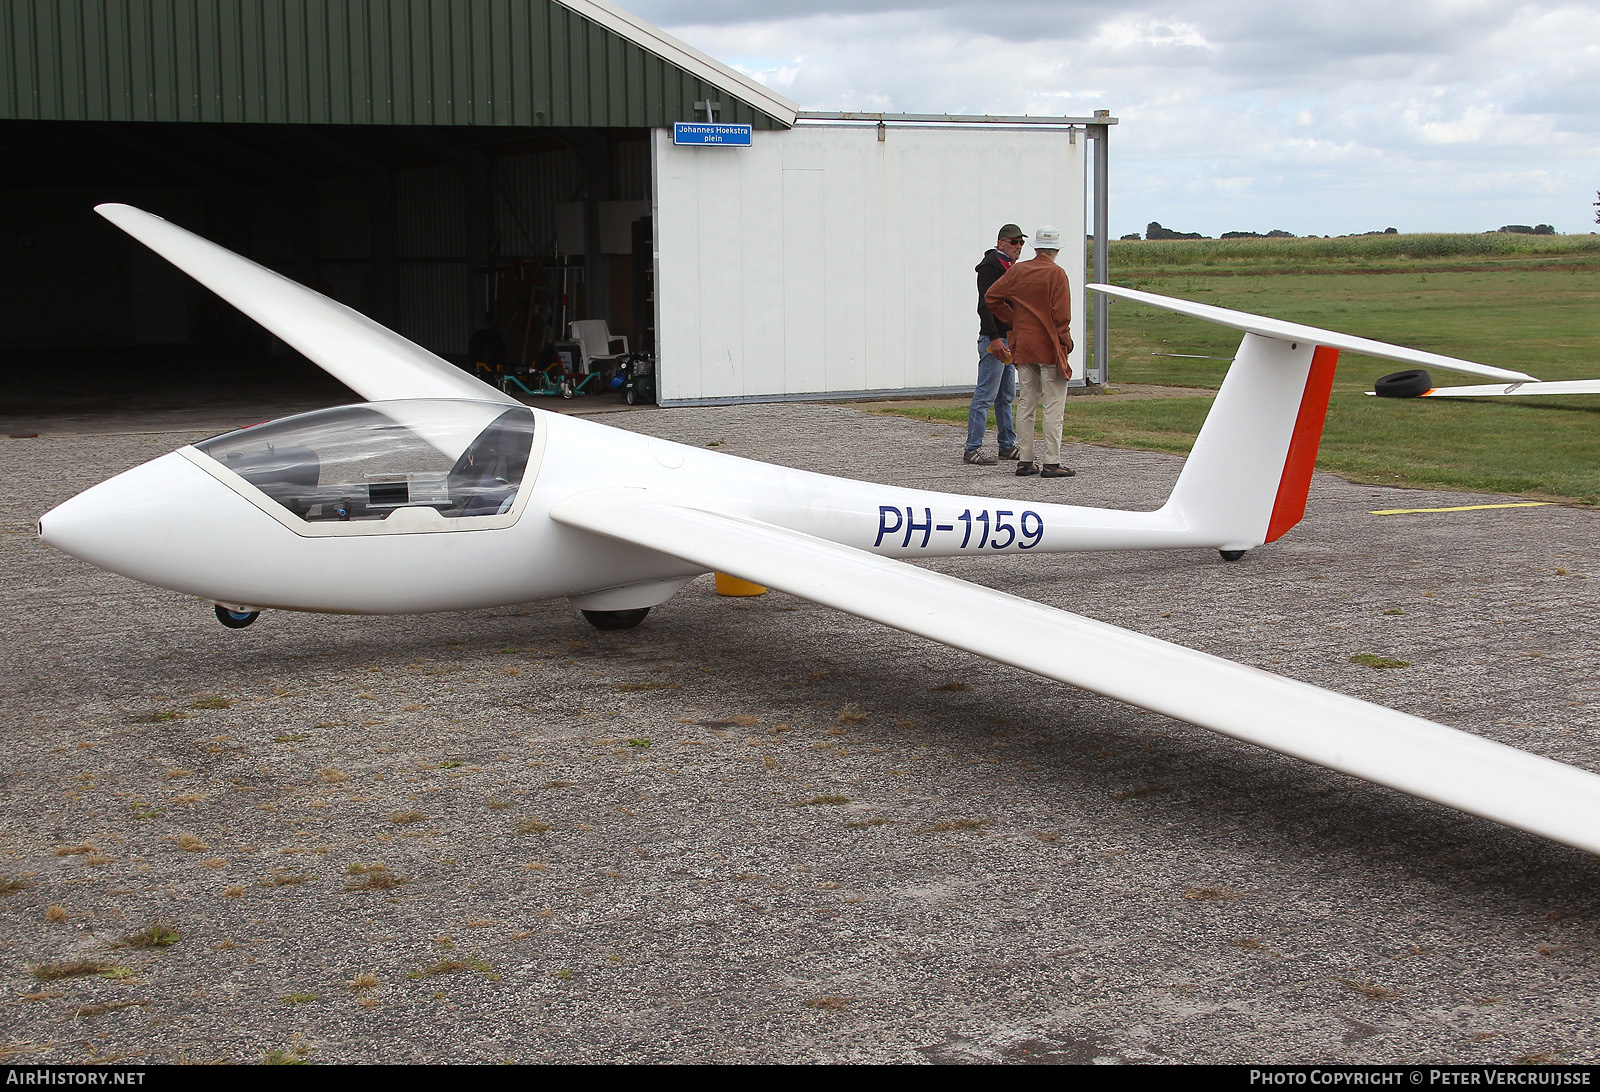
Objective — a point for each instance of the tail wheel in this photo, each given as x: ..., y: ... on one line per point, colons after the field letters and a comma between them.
x: 1231, y: 555
x: 1407, y: 384
x: 236, y: 619
x: 616, y: 619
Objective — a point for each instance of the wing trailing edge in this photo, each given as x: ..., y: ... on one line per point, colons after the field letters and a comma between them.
x: 1381, y: 745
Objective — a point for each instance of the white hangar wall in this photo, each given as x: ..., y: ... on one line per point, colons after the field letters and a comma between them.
x: 825, y: 261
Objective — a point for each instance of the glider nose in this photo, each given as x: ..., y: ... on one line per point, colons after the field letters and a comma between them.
x: 142, y: 523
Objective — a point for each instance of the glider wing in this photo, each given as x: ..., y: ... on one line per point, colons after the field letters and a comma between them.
x: 1382, y: 745
x: 370, y: 359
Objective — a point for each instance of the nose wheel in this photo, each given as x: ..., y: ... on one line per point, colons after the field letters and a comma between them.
x: 236, y: 619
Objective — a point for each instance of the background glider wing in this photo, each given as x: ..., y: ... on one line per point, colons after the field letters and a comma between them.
x: 1342, y: 733
x: 1294, y: 331
x: 370, y: 359
x: 1500, y: 390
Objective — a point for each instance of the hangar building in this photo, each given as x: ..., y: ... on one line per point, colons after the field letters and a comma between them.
x: 478, y: 175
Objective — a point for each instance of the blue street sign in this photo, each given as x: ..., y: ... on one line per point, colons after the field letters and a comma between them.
x: 711, y: 132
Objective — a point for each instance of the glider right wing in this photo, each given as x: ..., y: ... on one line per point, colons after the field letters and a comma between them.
x: 1382, y: 745
x: 369, y: 358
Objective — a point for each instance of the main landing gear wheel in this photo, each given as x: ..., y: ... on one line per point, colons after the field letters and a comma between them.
x: 1409, y: 384
x: 1231, y: 555
x: 616, y: 619
x: 236, y: 619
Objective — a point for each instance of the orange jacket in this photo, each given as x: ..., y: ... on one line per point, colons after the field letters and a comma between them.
x: 1043, y: 284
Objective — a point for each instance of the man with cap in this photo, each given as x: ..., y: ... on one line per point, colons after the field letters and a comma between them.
x: 1035, y: 300
x: 997, y: 379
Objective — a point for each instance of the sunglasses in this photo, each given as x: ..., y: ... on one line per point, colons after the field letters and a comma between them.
x: 1018, y: 240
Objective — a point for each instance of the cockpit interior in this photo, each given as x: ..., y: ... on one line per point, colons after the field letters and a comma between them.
x: 465, y: 460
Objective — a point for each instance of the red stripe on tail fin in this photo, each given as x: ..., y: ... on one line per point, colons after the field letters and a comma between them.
x: 1290, y: 504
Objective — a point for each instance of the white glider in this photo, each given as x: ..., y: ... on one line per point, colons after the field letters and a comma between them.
x: 1419, y: 384
x: 441, y: 493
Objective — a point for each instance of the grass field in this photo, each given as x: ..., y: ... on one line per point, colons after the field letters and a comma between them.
x: 1531, y: 303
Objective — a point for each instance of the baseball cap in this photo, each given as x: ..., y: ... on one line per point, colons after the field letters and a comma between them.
x: 1009, y: 231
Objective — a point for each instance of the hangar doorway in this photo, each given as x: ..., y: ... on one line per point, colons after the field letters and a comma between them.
x: 439, y: 232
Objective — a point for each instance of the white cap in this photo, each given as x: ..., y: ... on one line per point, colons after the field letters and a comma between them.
x: 1047, y: 238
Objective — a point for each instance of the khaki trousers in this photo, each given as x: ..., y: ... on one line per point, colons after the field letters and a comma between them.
x: 1038, y: 383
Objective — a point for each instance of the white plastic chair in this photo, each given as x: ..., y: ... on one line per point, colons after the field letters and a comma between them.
x: 595, y: 341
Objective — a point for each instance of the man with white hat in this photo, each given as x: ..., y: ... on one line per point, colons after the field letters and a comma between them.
x: 1036, y: 300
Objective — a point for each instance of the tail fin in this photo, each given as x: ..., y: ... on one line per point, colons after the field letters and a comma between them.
x: 1250, y: 469
x: 1247, y: 476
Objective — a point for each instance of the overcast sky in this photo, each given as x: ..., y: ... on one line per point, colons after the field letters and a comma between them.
x: 1313, y: 116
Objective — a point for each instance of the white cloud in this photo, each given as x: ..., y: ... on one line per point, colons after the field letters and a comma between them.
x: 1235, y: 114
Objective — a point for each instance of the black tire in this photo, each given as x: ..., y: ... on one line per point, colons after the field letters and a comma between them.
x: 566, y: 388
x: 630, y: 397
x: 1407, y: 384
x: 1231, y: 555
x: 616, y: 619
x: 234, y: 619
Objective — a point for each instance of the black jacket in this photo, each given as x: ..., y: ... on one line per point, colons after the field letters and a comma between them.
x: 989, y: 270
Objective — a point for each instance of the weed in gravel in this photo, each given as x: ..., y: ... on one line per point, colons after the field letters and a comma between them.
x: 285, y: 1056
x: 175, y: 772
x: 1369, y: 990
x: 56, y: 914
x: 532, y: 826
x: 738, y: 720
x: 401, y: 818
x: 286, y: 879
x: 364, y: 981
x: 214, y: 862
x: 449, y: 966
x: 1367, y: 659
x: 1210, y: 894
x: 210, y: 701
x: 373, y: 878
x: 295, y: 737
x: 332, y: 776
x: 73, y: 851
x: 494, y: 804
x: 641, y: 742
x: 831, y: 1003
x: 190, y: 843
x: 159, y: 934
x: 96, y: 860
x: 10, y: 885
x: 851, y: 715
x: 101, y: 1010
x: 298, y: 998
x: 233, y: 891
x: 78, y: 968
x: 160, y: 716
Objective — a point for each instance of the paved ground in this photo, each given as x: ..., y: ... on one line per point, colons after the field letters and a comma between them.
x: 757, y: 830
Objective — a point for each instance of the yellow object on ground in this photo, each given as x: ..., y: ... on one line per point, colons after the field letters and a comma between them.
x: 732, y: 585
x: 1459, y: 508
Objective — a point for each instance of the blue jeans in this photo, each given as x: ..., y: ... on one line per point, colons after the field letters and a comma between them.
x: 997, y: 387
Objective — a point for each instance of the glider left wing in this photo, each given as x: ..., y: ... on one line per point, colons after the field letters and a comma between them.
x: 1342, y: 733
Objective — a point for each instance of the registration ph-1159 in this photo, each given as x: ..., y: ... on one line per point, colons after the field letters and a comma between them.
x: 980, y: 529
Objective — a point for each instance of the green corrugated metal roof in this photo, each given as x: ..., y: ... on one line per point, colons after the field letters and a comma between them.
x: 358, y: 62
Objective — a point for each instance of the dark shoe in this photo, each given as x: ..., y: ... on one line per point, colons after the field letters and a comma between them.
x: 1024, y: 469
x: 1011, y: 453
x: 978, y: 458
x: 1056, y: 470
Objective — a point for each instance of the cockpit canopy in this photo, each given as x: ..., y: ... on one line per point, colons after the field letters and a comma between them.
x: 464, y: 460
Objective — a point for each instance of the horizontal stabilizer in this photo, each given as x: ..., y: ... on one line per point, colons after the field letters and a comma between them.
x: 1342, y: 733
x: 370, y: 359
x: 1294, y: 331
